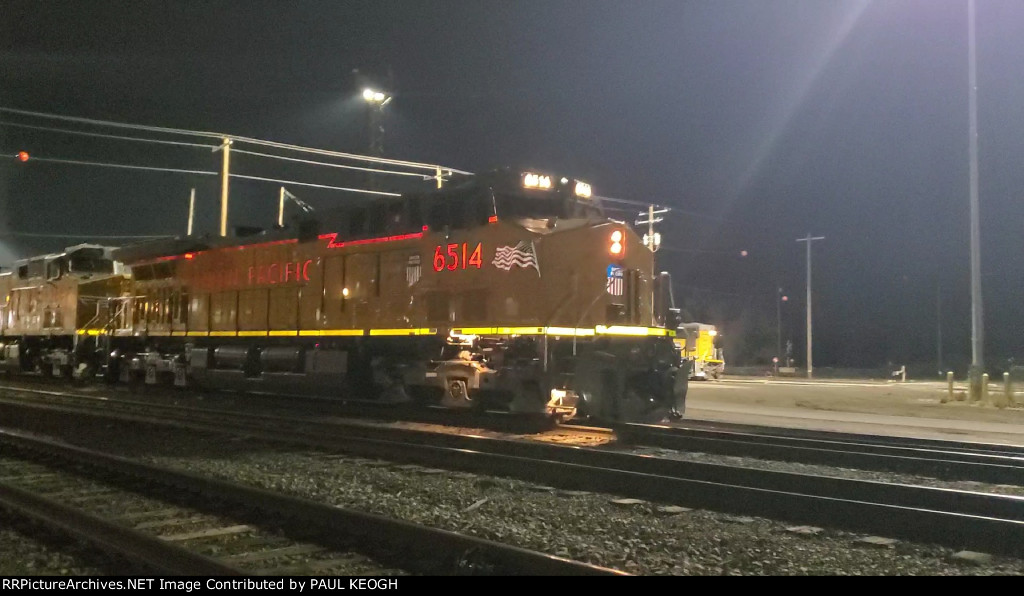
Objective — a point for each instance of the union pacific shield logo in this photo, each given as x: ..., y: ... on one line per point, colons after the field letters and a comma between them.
x: 615, y: 280
x: 412, y: 270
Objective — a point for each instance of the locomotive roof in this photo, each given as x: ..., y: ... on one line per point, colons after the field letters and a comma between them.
x: 488, y: 190
x: 105, y: 250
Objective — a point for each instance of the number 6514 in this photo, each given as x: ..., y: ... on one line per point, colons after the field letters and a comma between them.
x: 457, y: 256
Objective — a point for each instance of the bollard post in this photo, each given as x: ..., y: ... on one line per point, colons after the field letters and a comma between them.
x: 1008, y: 389
x: 984, y: 389
x: 949, y: 386
x: 974, y: 384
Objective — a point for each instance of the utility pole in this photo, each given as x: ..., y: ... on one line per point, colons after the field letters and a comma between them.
x: 191, y: 210
x: 977, y: 328
x: 652, y: 240
x: 285, y: 195
x: 810, y: 364
x: 280, y: 209
x: 225, y: 175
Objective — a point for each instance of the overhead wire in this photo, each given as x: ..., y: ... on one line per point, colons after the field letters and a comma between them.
x: 310, y: 184
x: 208, y: 173
x: 260, y: 142
x: 234, y: 138
x: 88, y: 236
x: 122, y: 166
x: 332, y: 165
x: 105, y: 136
x: 648, y: 204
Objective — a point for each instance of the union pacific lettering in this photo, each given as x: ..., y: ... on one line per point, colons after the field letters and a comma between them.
x: 211, y: 278
x: 279, y: 273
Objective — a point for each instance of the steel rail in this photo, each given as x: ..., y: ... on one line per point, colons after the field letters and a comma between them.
x: 885, y: 440
x: 332, y: 523
x: 862, y: 452
x: 151, y: 552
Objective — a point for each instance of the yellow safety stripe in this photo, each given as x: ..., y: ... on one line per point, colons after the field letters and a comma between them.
x: 562, y: 331
x: 421, y: 331
x: 512, y: 331
x: 634, y: 331
x: 341, y: 332
x: 476, y: 331
x: 568, y: 331
x: 624, y: 330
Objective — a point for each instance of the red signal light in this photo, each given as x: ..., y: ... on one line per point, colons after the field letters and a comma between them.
x: 22, y: 156
x: 616, y: 244
x: 785, y: 298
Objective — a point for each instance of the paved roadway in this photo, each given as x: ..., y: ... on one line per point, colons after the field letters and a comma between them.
x: 912, y: 409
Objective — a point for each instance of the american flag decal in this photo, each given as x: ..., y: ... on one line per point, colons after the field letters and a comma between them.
x: 615, y: 283
x: 412, y: 270
x: 523, y: 254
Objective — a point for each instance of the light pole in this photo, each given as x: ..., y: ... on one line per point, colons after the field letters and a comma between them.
x: 977, y: 329
x: 809, y: 239
x: 938, y: 323
x: 376, y: 100
x: 779, y: 299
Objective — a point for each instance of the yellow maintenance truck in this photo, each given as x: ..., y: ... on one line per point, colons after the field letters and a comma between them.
x: 697, y: 341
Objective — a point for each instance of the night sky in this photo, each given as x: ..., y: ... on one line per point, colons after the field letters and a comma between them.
x: 759, y: 121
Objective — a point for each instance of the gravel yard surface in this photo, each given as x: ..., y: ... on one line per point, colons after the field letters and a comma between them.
x: 26, y: 549
x: 634, y: 536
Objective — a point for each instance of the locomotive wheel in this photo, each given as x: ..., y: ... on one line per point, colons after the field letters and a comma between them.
x: 458, y: 391
x: 42, y: 369
x: 530, y: 399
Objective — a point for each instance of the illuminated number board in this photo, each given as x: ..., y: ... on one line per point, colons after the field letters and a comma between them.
x: 457, y: 256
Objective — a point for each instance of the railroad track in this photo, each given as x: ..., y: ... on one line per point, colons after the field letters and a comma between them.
x: 887, y: 440
x: 950, y: 460
x: 996, y: 464
x: 954, y: 518
x: 180, y: 523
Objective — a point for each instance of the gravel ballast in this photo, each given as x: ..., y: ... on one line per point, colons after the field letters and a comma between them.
x: 29, y: 549
x: 635, y: 537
